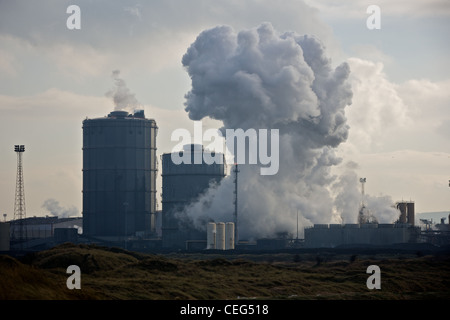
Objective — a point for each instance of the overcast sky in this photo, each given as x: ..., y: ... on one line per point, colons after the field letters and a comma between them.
x: 51, y: 78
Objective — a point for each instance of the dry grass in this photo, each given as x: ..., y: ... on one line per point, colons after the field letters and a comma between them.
x: 108, y: 273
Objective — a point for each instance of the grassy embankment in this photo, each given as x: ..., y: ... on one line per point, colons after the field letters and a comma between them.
x: 111, y: 273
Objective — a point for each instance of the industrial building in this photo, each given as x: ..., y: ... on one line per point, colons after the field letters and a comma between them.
x: 39, y: 232
x: 119, y: 176
x: 333, y: 235
x: 371, y: 233
x: 407, y: 212
x: 44, y: 227
x: 181, y: 184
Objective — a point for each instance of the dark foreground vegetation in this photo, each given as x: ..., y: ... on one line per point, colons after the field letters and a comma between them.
x: 113, y: 273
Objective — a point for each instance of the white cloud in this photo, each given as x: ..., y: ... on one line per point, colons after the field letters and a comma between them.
x: 398, y: 136
x: 387, y: 116
x: 377, y: 111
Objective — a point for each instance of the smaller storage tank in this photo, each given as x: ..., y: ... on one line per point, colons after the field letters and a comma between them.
x: 220, y: 236
x: 229, y: 236
x: 211, y: 236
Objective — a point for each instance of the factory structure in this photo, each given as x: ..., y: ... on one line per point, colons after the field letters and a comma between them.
x: 367, y: 231
x: 373, y: 234
x: 120, y: 168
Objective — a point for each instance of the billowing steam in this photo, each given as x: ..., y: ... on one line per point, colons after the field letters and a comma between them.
x: 121, y: 95
x: 259, y: 79
x: 348, y: 200
x: 57, y: 210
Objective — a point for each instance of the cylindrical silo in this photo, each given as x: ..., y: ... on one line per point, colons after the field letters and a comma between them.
x: 119, y: 175
x: 220, y: 236
x: 183, y: 183
x: 229, y: 236
x: 211, y: 236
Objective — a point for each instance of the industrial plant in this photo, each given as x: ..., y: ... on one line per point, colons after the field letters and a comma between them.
x: 120, y: 168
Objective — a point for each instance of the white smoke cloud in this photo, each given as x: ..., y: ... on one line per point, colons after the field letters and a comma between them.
x: 378, y: 111
x: 57, y: 210
x: 121, y: 94
x: 257, y: 79
x: 348, y: 200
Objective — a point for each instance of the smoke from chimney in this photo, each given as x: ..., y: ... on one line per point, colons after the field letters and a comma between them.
x: 121, y: 95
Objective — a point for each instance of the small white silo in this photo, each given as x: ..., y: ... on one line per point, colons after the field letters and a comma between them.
x: 211, y: 236
x: 229, y: 236
x: 220, y: 236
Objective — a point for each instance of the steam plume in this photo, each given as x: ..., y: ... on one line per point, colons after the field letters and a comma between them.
x: 348, y: 201
x: 260, y: 79
x: 57, y: 210
x: 121, y: 95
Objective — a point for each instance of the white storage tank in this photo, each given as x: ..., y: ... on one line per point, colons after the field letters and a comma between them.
x: 211, y: 236
x: 229, y: 236
x: 220, y: 236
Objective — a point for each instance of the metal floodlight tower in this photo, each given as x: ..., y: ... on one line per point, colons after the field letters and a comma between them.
x: 19, y: 203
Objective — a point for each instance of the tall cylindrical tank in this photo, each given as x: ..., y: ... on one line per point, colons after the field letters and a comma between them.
x: 220, y: 236
x: 4, y: 236
x: 410, y: 211
x: 211, y: 236
x: 119, y: 175
x: 229, y: 236
x: 183, y: 183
